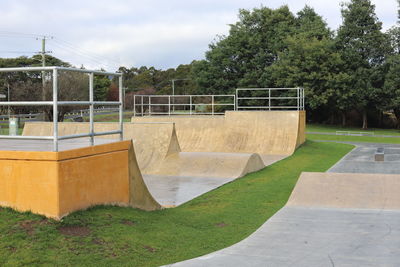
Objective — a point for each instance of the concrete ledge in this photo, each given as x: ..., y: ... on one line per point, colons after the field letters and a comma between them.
x: 55, y: 184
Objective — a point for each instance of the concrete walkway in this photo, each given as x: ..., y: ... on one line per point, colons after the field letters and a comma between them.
x: 330, y: 220
x: 361, y: 159
x: 298, y: 236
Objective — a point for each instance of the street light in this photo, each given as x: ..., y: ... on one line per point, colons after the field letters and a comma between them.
x: 173, y: 91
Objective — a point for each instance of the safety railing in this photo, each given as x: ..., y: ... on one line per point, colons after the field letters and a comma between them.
x: 55, y: 104
x: 148, y: 105
x: 270, y: 99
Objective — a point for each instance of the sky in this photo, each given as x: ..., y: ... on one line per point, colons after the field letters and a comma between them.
x: 131, y: 33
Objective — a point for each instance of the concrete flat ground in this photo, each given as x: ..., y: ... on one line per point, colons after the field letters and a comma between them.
x: 47, y: 145
x: 361, y: 160
x: 172, y: 191
x: 300, y: 236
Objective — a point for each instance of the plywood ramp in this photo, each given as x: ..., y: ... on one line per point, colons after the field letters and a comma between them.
x: 153, y: 142
x: 347, y: 190
x: 262, y: 132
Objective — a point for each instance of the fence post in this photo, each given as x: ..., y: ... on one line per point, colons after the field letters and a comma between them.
x: 169, y: 105
x: 149, y: 105
x: 91, y: 117
x: 191, y: 103
x: 121, y: 108
x: 269, y: 99
x: 298, y: 98
x: 237, y: 100
x: 142, y: 106
x: 212, y: 105
x: 134, y: 105
x: 55, y: 111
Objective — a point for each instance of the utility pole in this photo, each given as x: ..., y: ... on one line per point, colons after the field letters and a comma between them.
x: 43, y: 53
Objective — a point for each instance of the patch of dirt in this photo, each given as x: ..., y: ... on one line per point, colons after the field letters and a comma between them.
x: 128, y: 222
x: 74, y: 230
x: 150, y: 249
x: 29, y: 225
x: 221, y: 224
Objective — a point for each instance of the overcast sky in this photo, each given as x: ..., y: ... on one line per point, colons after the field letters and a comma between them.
x: 160, y: 33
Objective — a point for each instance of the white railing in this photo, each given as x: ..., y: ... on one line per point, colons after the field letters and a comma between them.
x: 55, y: 103
x: 271, y: 98
x: 148, y: 105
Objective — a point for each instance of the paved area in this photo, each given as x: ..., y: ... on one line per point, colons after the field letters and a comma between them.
x: 298, y: 236
x: 47, y: 145
x: 172, y: 191
x: 361, y: 160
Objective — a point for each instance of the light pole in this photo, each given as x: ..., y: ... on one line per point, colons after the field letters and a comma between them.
x: 173, y: 91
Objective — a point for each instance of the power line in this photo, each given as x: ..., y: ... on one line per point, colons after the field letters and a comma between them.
x: 70, y: 50
x: 91, y: 54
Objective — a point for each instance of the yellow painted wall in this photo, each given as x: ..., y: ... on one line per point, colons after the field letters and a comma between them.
x: 55, y: 184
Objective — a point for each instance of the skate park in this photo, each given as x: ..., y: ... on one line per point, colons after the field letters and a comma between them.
x: 346, y: 215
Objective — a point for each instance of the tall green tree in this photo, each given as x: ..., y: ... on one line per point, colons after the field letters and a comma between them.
x: 363, y: 48
x: 240, y: 59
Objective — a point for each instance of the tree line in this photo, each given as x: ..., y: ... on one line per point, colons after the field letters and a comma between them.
x: 350, y: 75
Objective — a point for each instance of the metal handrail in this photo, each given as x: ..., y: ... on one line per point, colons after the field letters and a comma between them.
x: 55, y: 103
x: 299, y: 97
x: 171, y: 104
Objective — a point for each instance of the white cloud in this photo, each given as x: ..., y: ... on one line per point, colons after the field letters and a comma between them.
x: 134, y: 33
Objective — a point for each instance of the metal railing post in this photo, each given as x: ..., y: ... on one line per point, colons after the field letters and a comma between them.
x: 55, y: 110
x: 91, y: 108
x: 142, y: 107
x: 212, y: 105
x: 134, y: 105
x: 298, y: 98
x: 237, y: 100
x: 269, y: 99
x: 169, y: 105
x: 191, y: 103
x: 149, y: 105
x: 121, y: 109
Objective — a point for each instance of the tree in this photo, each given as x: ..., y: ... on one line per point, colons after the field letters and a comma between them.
x: 240, y: 59
x: 363, y: 47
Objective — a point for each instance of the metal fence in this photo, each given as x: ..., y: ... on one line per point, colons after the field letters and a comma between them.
x: 270, y: 99
x: 55, y: 103
x: 148, y: 105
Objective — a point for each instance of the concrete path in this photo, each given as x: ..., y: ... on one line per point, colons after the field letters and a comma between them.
x: 298, y: 236
x: 331, y: 219
x: 47, y: 145
x: 361, y: 160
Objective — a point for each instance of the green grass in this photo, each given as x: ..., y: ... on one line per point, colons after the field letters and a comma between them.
x: 334, y: 128
x: 129, y: 237
x: 5, y: 131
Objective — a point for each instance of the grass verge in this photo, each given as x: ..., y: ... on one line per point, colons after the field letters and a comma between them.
x: 115, y: 236
x: 345, y: 138
x: 333, y: 128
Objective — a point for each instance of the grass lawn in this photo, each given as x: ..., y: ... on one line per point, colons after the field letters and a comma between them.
x: 334, y: 128
x: 119, y: 236
x: 367, y: 139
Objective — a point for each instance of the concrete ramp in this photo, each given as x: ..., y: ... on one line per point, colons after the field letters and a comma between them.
x: 347, y: 190
x: 330, y: 219
x: 266, y: 133
x: 172, y: 177
x: 153, y: 142
x: 212, y: 165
